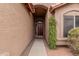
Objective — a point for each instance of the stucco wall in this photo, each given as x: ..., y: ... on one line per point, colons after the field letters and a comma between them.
x: 48, y: 15
x: 59, y: 17
x: 16, y: 28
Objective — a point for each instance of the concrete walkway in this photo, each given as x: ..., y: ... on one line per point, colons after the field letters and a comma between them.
x: 38, y: 48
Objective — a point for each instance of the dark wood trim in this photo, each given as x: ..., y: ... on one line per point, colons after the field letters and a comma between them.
x: 30, y: 7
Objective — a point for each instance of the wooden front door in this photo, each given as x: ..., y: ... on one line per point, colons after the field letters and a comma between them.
x: 39, y: 29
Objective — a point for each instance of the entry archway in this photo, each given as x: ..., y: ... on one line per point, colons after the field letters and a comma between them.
x: 39, y: 20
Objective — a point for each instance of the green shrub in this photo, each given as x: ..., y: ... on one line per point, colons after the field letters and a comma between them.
x: 52, y: 33
x: 74, y: 32
x: 73, y: 38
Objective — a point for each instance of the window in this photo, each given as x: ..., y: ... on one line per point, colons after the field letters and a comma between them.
x: 69, y: 23
x: 77, y: 21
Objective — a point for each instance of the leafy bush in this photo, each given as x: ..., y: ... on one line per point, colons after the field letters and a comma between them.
x: 52, y: 33
x: 73, y: 38
x: 74, y: 32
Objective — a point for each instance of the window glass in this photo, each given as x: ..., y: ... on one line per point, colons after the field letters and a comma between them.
x: 77, y: 21
x: 68, y: 24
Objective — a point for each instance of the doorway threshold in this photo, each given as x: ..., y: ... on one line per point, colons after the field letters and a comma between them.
x: 39, y: 37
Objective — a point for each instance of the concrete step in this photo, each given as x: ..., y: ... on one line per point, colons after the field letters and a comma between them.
x: 61, y: 42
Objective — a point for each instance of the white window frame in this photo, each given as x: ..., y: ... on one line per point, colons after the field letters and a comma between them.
x: 74, y: 22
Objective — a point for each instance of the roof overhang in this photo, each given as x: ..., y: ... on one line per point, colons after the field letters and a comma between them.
x: 52, y: 8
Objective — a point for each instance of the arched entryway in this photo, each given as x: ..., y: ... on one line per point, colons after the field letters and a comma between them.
x: 39, y: 20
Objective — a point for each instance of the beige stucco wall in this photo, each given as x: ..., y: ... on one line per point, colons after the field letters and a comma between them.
x: 16, y: 28
x: 59, y: 17
x: 48, y: 15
